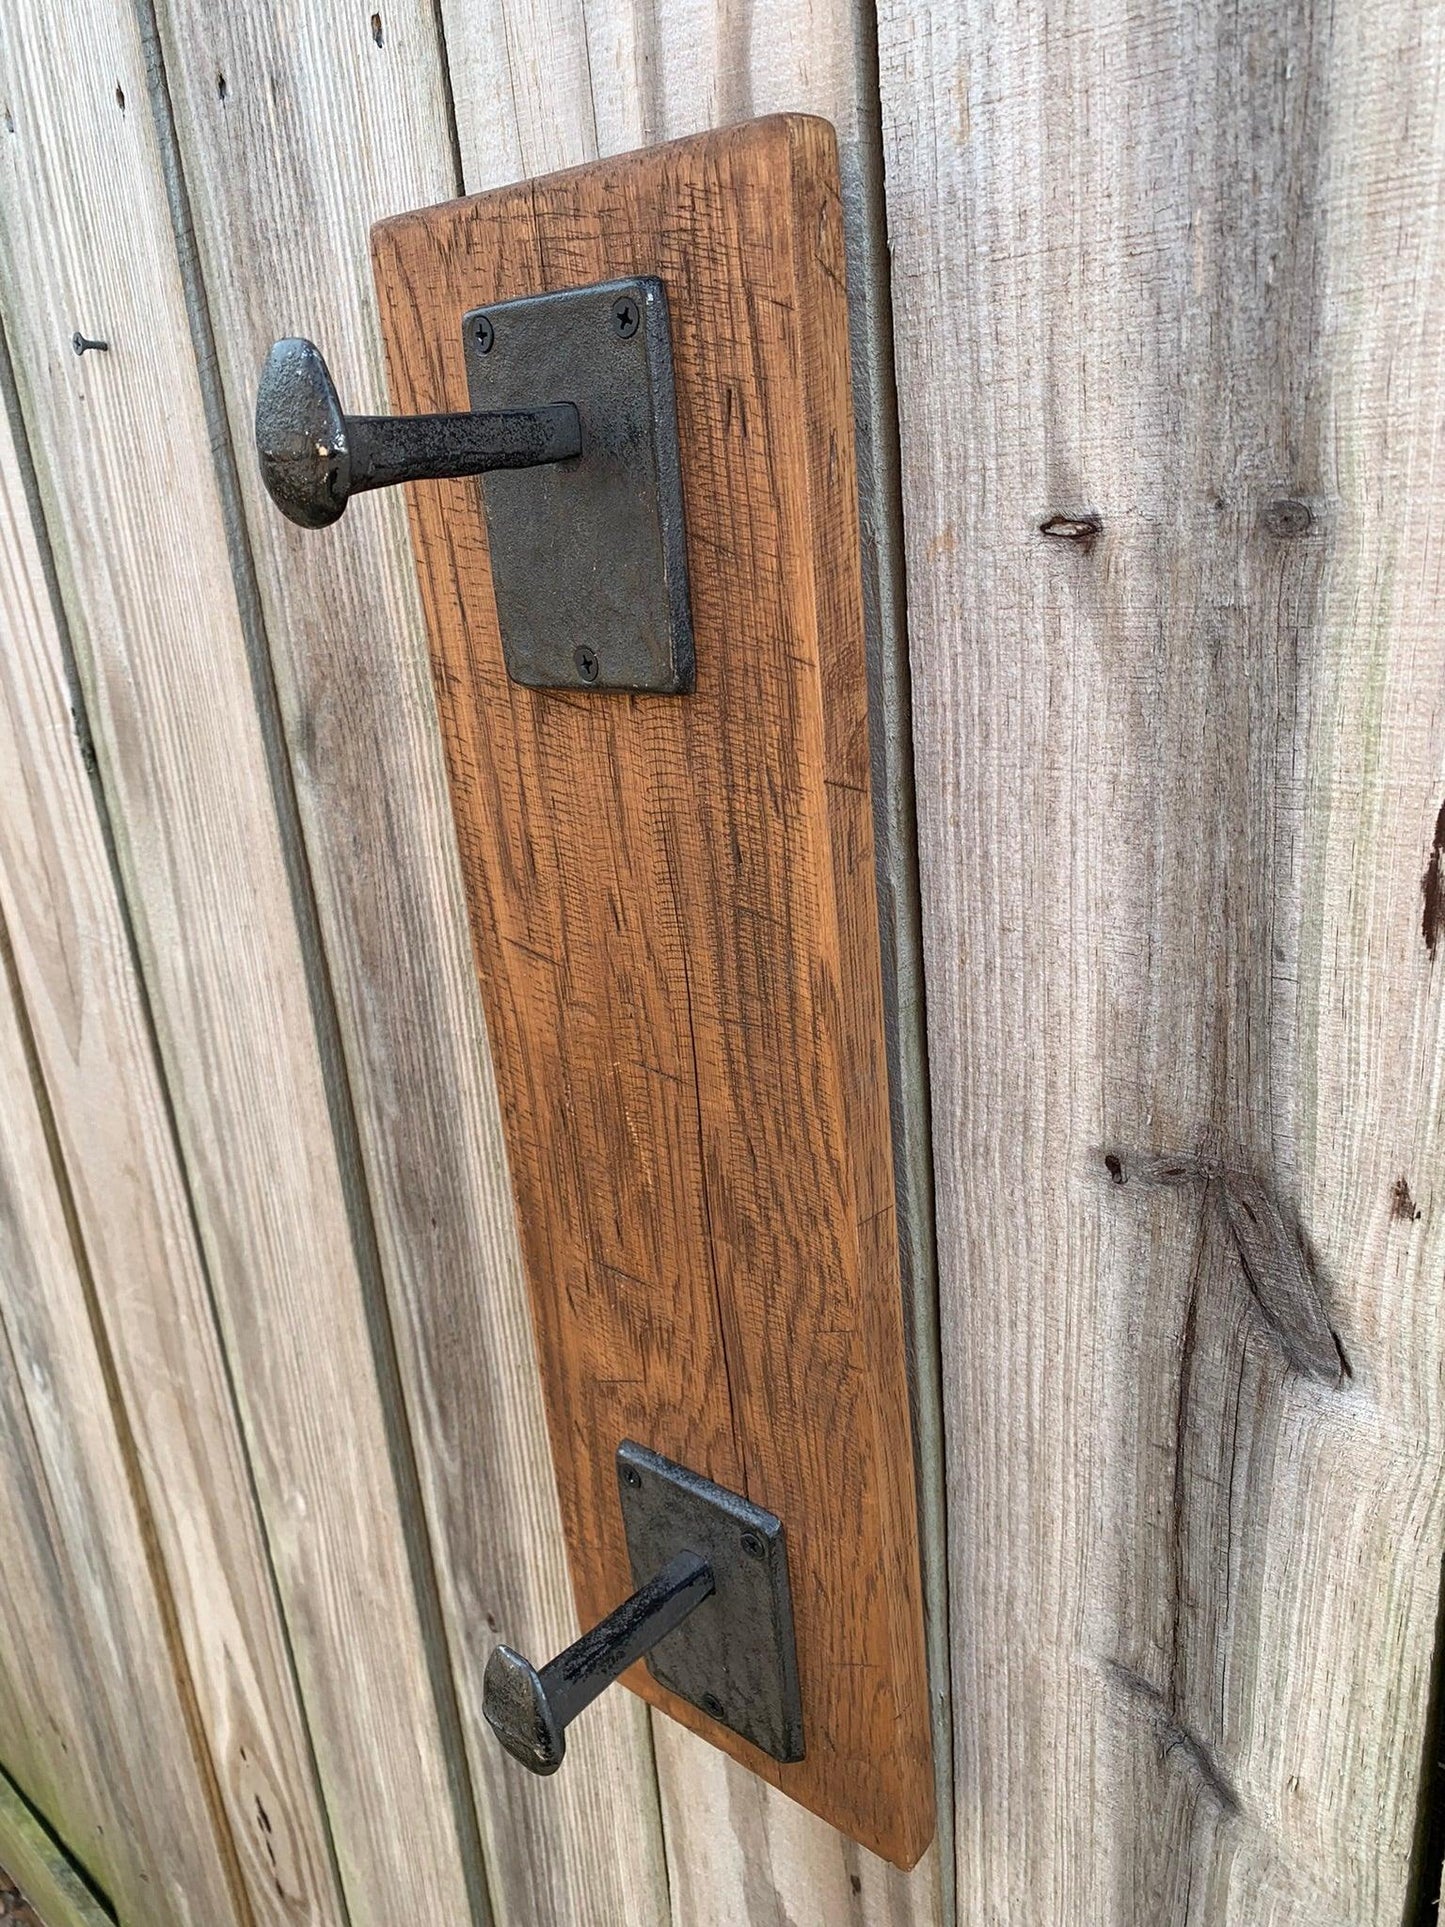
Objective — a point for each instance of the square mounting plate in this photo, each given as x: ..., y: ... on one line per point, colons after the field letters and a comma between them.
x: 588, y: 558
x: 734, y: 1656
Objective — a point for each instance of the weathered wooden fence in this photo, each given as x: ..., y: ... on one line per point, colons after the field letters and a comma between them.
x: 1163, y: 292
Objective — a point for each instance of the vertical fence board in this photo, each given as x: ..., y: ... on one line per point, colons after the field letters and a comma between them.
x: 51, y: 1740
x: 282, y: 218
x: 124, y: 460
x: 1169, y: 296
x: 73, y: 967
x: 103, y: 1697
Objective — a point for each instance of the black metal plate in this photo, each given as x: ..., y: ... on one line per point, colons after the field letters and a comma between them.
x: 588, y: 557
x: 734, y: 1656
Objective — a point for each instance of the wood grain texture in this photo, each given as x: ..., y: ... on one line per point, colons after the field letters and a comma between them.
x: 87, y: 1016
x: 1169, y: 296
x: 539, y: 85
x: 283, y: 248
x: 124, y: 459
x: 51, y: 1741
x: 104, y: 1731
x: 673, y: 907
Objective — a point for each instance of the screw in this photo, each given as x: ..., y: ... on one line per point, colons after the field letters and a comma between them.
x: 586, y: 661
x: 80, y: 343
x: 631, y: 1476
x: 484, y: 334
x: 752, y: 1543
x: 712, y: 1704
x: 625, y: 315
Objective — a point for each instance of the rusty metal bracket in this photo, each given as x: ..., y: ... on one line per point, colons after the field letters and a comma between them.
x: 735, y: 1657
x: 712, y: 1615
x: 589, y: 563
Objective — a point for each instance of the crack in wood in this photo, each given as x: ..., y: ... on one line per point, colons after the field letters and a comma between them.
x: 1273, y: 1249
x: 1432, y: 889
x: 1178, y: 1741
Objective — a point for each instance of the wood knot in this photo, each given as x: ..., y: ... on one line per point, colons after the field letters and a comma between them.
x: 1287, y: 518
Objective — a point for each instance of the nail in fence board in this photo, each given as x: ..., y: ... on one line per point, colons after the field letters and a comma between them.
x: 673, y: 911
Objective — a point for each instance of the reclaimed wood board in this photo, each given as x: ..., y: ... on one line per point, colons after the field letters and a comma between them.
x: 675, y: 922
x: 619, y: 77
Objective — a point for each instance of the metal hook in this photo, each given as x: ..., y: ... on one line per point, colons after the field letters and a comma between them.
x: 314, y: 457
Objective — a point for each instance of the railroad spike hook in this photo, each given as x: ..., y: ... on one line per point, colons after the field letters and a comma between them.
x: 315, y: 457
